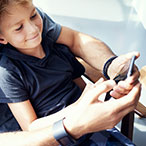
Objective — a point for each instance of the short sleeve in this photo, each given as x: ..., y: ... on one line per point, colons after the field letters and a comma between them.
x: 50, y: 28
x: 11, y: 87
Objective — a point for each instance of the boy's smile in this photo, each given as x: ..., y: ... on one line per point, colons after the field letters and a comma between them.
x: 22, y: 30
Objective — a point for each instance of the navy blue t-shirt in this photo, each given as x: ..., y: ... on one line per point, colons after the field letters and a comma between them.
x: 47, y: 83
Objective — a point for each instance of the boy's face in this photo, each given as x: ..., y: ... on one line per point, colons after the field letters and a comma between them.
x: 22, y: 28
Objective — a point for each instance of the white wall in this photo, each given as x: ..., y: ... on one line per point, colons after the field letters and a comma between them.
x: 140, y: 6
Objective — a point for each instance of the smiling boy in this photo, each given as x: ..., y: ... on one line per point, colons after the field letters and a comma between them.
x: 38, y: 68
x: 24, y: 30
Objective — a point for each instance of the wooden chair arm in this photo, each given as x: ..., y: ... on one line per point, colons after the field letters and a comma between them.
x: 141, y: 110
x: 92, y: 73
x: 140, y: 107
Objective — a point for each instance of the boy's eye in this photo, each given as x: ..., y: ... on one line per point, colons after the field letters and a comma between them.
x: 19, y: 28
x: 33, y: 16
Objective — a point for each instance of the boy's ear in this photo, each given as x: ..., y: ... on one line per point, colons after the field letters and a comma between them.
x: 3, y: 40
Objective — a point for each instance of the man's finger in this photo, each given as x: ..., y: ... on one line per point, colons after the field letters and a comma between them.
x: 130, y: 100
x: 101, y: 88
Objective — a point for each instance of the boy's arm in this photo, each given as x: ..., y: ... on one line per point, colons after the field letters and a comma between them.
x: 26, y: 116
x: 24, y: 113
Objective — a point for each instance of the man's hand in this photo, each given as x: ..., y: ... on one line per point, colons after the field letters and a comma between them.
x: 118, y: 66
x: 89, y: 114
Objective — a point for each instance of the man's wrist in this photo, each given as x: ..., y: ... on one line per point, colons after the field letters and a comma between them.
x: 61, y: 135
x: 106, y: 67
x: 72, y: 130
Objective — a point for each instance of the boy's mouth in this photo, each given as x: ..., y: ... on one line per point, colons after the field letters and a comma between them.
x: 34, y: 37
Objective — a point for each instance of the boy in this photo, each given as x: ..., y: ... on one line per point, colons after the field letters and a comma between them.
x: 37, y: 71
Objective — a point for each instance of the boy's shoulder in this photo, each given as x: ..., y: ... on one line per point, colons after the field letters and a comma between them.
x: 51, y: 29
x: 43, y: 14
x: 47, y: 20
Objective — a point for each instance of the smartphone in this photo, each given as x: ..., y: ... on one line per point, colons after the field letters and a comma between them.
x: 131, y: 67
x: 124, y: 75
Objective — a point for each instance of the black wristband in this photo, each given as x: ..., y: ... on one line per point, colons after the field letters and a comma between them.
x: 106, y: 65
x: 61, y: 135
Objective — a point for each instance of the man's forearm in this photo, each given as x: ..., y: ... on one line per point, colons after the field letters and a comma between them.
x: 92, y: 50
x: 42, y: 137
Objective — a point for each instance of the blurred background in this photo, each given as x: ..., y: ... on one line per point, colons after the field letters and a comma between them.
x: 121, y: 24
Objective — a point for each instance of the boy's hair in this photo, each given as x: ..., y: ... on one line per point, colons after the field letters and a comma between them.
x: 5, y: 3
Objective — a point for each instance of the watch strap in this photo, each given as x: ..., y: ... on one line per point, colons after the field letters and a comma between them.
x: 106, y: 66
x: 61, y: 135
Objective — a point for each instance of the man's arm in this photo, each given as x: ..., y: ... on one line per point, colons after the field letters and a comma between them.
x: 91, y: 50
x: 96, y: 53
x: 42, y: 137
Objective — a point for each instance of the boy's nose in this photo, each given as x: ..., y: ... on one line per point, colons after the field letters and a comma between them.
x: 31, y: 28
